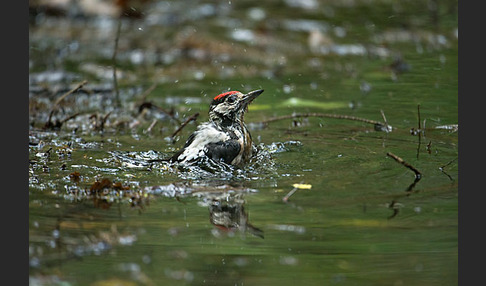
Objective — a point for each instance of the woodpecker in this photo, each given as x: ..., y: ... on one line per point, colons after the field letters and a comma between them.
x: 225, y: 137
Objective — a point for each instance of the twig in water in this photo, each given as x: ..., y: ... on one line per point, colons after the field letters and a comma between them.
x: 428, y: 147
x: 144, y: 104
x: 443, y: 167
x: 286, y: 198
x: 70, y: 117
x: 418, y: 175
x: 296, y: 187
x: 149, y: 105
x: 379, y: 126
x: 76, y: 88
x: 58, y: 124
x: 401, y: 161
x: 49, y: 123
x: 101, y: 125
x: 103, y: 120
x: 394, y: 205
x: 147, y: 92
x: 420, y: 129
x: 115, y: 81
x: 384, y: 119
x: 451, y: 127
x: 149, y: 129
x: 193, y: 117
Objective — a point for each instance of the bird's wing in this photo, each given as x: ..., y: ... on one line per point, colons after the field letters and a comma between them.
x: 223, y: 150
x: 175, y: 157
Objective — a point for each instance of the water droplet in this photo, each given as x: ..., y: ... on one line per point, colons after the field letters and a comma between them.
x: 146, y: 259
x: 289, y: 260
x: 199, y: 75
x: 34, y: 262
x: 256, y: 14
x: 287, y: 89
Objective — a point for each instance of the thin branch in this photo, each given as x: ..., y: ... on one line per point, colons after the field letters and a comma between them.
x: 147, y: 92
x: 394, y: 205
x: 337, y: 116
x: 49, y: 123
x: 420, y: 129
x: 148, y: 105
x: 418, y: 175
x: 70, y: 117
x: 144, y: 104
x: 378, y: 125
x: 452, y: 127
x: 76, y: 88
x: 287, y: 196
x: 450, y: 162
x: 443, y: 167
x: 193, y: 117
x: 103, y: 121
x: 115, y: 80
x: 149, y: 129
x: 384, y: 117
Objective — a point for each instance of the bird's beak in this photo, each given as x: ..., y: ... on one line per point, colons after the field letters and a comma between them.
x: 249, y: 97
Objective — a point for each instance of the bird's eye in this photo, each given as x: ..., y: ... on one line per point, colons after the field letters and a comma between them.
x: 231, y: 98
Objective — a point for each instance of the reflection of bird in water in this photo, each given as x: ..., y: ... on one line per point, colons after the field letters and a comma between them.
x: 228, y: 213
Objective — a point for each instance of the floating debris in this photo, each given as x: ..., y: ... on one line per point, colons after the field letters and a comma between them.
x: 379, y: 126
x: 450, y: 127
x: 286, y: 227
x: 302, y: 186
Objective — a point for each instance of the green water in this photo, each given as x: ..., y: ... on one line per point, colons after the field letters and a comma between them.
x: 362, y: 222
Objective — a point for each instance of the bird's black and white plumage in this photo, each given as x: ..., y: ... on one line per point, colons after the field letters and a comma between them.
x: 225, y: 136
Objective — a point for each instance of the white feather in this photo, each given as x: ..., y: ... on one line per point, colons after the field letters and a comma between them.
x: 206, y: 133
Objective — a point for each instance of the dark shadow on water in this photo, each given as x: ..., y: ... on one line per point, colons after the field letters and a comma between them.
x: 394, y: 205
x: 228, y: 214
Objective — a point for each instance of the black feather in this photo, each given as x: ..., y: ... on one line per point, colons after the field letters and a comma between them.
x: 223, y: 150
x: 175, y: 157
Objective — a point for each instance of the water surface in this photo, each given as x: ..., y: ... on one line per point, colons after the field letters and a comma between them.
x: 103, y: 212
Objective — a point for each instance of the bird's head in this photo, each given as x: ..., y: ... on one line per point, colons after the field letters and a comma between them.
x: 229, y: 107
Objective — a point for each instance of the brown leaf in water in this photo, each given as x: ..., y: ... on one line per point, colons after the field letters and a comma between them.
x: 75, y: 176
x: 119, y: 186
x: 98, y: 186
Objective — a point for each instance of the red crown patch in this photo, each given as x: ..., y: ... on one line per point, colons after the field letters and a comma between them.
x: 219, y: 96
